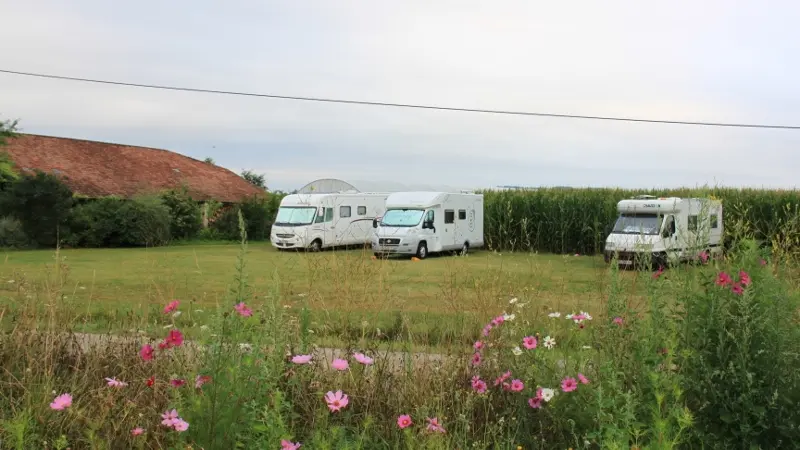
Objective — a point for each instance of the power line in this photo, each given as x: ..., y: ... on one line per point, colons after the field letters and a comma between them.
x: 401, y: 105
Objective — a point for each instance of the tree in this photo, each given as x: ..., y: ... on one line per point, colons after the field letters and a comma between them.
x: 255, y: 179
x: 42, y: 204
x: 209, y: 160
x: 8, y: 175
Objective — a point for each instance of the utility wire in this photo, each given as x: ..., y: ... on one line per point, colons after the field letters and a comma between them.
x: 401, y: 105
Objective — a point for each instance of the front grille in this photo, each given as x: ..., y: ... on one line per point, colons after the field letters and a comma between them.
x: 389, y: 241
x: 284, y: 236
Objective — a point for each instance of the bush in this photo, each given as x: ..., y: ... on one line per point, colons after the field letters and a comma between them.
x: 740, y: 353
x: 185, y: 214
x: 226, y: 226
x: 114, y: 222
x: 11, y: 234
x: 42, y: 204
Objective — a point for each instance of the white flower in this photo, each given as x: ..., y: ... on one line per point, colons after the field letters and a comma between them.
x: 549, y: 342
x: 198, y: 310
x: 516, y: 351
x: 512, y: 301
x: 588, y: 317
x: 176, y: 314
x: 547, y: 394
x: 586, y: 347
x: 167, y: 326
x: 246, y: 347
x: 509, y: 317
x: 204, y: 327
x: 554, y: 315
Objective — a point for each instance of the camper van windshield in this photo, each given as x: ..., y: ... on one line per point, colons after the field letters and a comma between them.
x: 638, y: 224
x: 401, y: 217
x: 288, y: 215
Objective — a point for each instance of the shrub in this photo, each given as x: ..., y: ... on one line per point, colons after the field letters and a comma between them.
x: 256, y: 212
x: 739, y: 353
x: 11, y: 233
x: 114, y: 222
x: 42, y: 204
x: 226, y: 224
x: 185, y: 214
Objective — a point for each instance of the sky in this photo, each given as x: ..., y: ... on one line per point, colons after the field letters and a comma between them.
x: 714, y: 60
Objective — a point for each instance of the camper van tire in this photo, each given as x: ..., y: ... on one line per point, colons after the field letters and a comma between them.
x: 464, y: 249
x: 315, y: 246
x: 422, y: 250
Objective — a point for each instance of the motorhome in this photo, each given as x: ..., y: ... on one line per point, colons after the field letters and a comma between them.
x: 419, y: 223
x: 664, y: 230
x: 317, y: 221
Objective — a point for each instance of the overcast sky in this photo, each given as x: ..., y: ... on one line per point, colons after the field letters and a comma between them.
x: 709, y: 60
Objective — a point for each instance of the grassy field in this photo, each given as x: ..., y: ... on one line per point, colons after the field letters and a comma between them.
x: 435, y: 299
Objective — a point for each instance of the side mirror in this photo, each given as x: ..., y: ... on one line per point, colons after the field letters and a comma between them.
x: 427, y: 225
x: 374, y: 223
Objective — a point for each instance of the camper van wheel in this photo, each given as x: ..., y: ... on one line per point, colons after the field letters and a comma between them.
x: 316, y: 245
x: 422, y: 250
x: 465, y: 249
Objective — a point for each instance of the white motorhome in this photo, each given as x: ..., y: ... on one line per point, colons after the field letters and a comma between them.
x: 418, y: 223
x: 665, y: 230
x: 317, y: 221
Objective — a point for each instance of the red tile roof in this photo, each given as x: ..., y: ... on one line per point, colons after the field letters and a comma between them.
x: 98, y: 169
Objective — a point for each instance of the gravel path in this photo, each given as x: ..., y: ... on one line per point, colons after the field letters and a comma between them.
x: 394, y: 360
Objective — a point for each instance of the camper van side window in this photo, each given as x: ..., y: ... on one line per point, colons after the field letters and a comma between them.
x: 714, y: 223
x: 361, y: 211
x: 328, y: 214
x: 449, y: 216
x: 462, y: 214
x: 344, y: 211
x: 429, y: 217
x: 692, y: 226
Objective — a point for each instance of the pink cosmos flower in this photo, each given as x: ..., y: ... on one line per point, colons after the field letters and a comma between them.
x: 200, y: 380
x: 502, y: 378
x: 704, y: 256
x: 61, y: 402
x: 146, y: 352
x: 583, y: 379
x: 476, y: 359
x: 477, y: 345
x: 336, y: 401
x: 498, y: 320
x: 478, y: 385
x: 763, y: 262
x: 340, y: 364
x: 658, y: 273
x: 174, y: 338
x: 433, y: 425
x: 404, y: 421
x: 529, y: 342
x: 737, y: 289
x: 362, y: 358
x: 138, y: 431
x: 168, y: 418
x: 535, y: 402
x: 113, y: 382
x: 618, y: 321
x: 289, y: 445
x: 487, y: 329
x: 180, y: 425
x: 243, y: 310
x: 568, y: 384
x: 177, y: 382
x: 744, y: 278
x: 723, y: 279
x: 301, y: 359
x: 171, y: 306
x: 517, y: 385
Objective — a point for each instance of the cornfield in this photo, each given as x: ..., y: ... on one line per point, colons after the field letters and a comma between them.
x: 563, y: 220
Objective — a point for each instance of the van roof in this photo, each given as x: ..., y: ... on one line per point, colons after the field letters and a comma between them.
x: 421, y: 199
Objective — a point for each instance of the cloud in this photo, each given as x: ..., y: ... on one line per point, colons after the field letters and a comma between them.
x: 682, y: 60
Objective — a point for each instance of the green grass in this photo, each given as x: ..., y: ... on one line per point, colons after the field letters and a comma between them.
x: 440, y: 299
